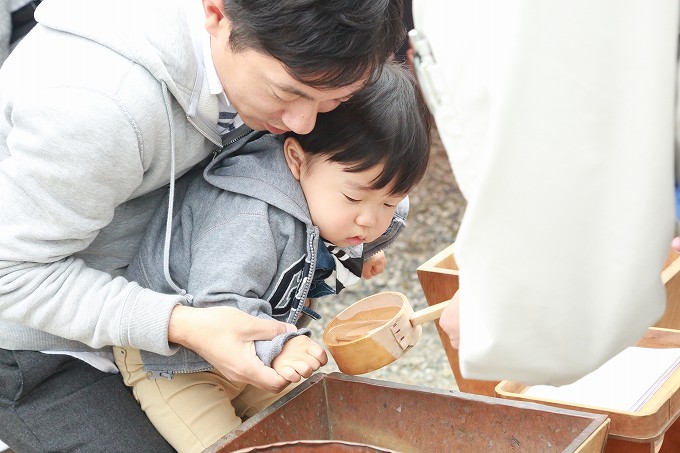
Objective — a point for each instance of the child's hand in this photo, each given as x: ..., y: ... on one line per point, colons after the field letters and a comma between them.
x: 299, y: 358
x: 375, y: 265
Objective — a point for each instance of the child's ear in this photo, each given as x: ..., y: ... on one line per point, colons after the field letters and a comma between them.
x: 295, y: 156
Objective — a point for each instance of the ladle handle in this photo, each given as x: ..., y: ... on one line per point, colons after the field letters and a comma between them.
x: 428, y: 314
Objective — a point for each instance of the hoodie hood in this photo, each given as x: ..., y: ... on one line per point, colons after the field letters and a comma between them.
x: 138, y: 30
x: 154, y: 34
x: 259, y: 170
x: 252, y: 164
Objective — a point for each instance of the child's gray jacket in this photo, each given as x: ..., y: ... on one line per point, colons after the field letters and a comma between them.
x: 241, y: 236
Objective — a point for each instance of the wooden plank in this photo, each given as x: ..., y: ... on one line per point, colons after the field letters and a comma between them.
x: 654, y: 428
x: 439, y: 280
x: 671, y: 279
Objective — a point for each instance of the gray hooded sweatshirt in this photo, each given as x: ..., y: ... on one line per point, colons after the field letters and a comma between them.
x: 241, y: 236
x: 100, y: 105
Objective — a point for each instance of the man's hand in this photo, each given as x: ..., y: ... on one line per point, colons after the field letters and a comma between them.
x: 299, y: 358
x: 225, y: 337
x: 450, y: 321
x: 375, y: 265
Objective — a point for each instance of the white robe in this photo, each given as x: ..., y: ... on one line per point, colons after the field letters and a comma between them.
x: 559, y: 121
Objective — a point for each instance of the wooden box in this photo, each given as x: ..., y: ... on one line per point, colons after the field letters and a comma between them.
x: 439, y: 280
x: 670, y: 275
x: 405, y: 418
x: 640, y: 431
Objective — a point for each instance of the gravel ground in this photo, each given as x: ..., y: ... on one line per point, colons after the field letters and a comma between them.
x: 436, y: 210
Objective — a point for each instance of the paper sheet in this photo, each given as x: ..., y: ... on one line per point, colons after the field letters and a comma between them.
x: 624, y: 383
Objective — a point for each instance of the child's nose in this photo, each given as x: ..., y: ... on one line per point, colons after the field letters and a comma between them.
x: 367, y: 218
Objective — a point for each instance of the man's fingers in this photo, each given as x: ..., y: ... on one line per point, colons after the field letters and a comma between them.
x: 450, y: 321
x: 675, y: 244
x: 263, y: 329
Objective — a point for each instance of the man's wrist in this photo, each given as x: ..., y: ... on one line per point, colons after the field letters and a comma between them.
x: 178, y: 330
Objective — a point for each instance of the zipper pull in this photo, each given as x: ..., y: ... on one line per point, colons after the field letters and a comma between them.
x: 311, y: 313
x: 302, y: 289
x: 216, y: 153
x: 153, y: 375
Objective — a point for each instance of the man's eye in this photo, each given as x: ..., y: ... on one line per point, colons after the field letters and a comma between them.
x: 390, y: 205
x: 284, y: 97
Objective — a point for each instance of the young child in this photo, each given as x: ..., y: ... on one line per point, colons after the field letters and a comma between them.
x: 281, y: 214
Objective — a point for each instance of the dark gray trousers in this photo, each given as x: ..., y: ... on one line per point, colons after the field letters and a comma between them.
x: 56, y: 403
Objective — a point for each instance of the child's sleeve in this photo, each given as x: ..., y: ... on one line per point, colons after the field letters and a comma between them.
x: 233, y: 262
x: 268, y: 350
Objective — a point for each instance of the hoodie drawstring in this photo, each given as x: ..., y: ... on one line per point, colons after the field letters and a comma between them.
x: 171, y: 200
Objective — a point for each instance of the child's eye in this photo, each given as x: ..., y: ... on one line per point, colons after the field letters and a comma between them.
x: 351, y: 200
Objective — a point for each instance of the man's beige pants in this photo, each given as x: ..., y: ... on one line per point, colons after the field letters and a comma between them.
x: 192, y: 410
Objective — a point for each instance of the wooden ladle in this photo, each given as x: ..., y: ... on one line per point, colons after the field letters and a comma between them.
x: 376, y: 331
x: 354, y: 330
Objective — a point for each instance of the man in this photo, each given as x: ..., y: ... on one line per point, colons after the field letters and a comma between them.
x: 562, y: 144
x: 102, y: 105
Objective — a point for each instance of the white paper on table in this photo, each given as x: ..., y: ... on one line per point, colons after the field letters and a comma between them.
x: 625, y: 382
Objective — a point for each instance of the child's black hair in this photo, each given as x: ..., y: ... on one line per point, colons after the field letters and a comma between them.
x: 387, y: 122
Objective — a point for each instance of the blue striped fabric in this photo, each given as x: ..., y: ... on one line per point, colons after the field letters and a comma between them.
x: 226, y: 122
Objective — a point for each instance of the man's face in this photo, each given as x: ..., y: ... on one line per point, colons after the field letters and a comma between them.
x: 264, y: 94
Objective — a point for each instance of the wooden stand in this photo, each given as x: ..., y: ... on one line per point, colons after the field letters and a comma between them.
x: 630, y: 432
x: 671, y: 279
x: 439, y: 279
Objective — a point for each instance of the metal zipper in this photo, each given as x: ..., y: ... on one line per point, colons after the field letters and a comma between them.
x: 201, y: 130
x: 306, y: 281
x: 231, y: 142
x: 153, y: 375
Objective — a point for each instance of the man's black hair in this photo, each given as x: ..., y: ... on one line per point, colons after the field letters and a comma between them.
x: 386, y: 123
x: 322, y: 43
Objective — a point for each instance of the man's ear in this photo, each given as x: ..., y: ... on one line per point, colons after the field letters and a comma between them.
x: 295, y: 156
x: 214, y: 13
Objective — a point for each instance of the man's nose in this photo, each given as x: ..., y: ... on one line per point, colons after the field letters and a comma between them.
x: 300, y: 118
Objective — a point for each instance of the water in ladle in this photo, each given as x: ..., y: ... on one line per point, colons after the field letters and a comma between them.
x: 361, y: 324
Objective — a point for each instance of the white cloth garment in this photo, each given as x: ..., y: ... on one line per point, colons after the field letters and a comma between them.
x: 558, y: 119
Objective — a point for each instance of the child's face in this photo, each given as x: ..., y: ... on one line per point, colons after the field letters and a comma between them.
x: 341, y: 205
